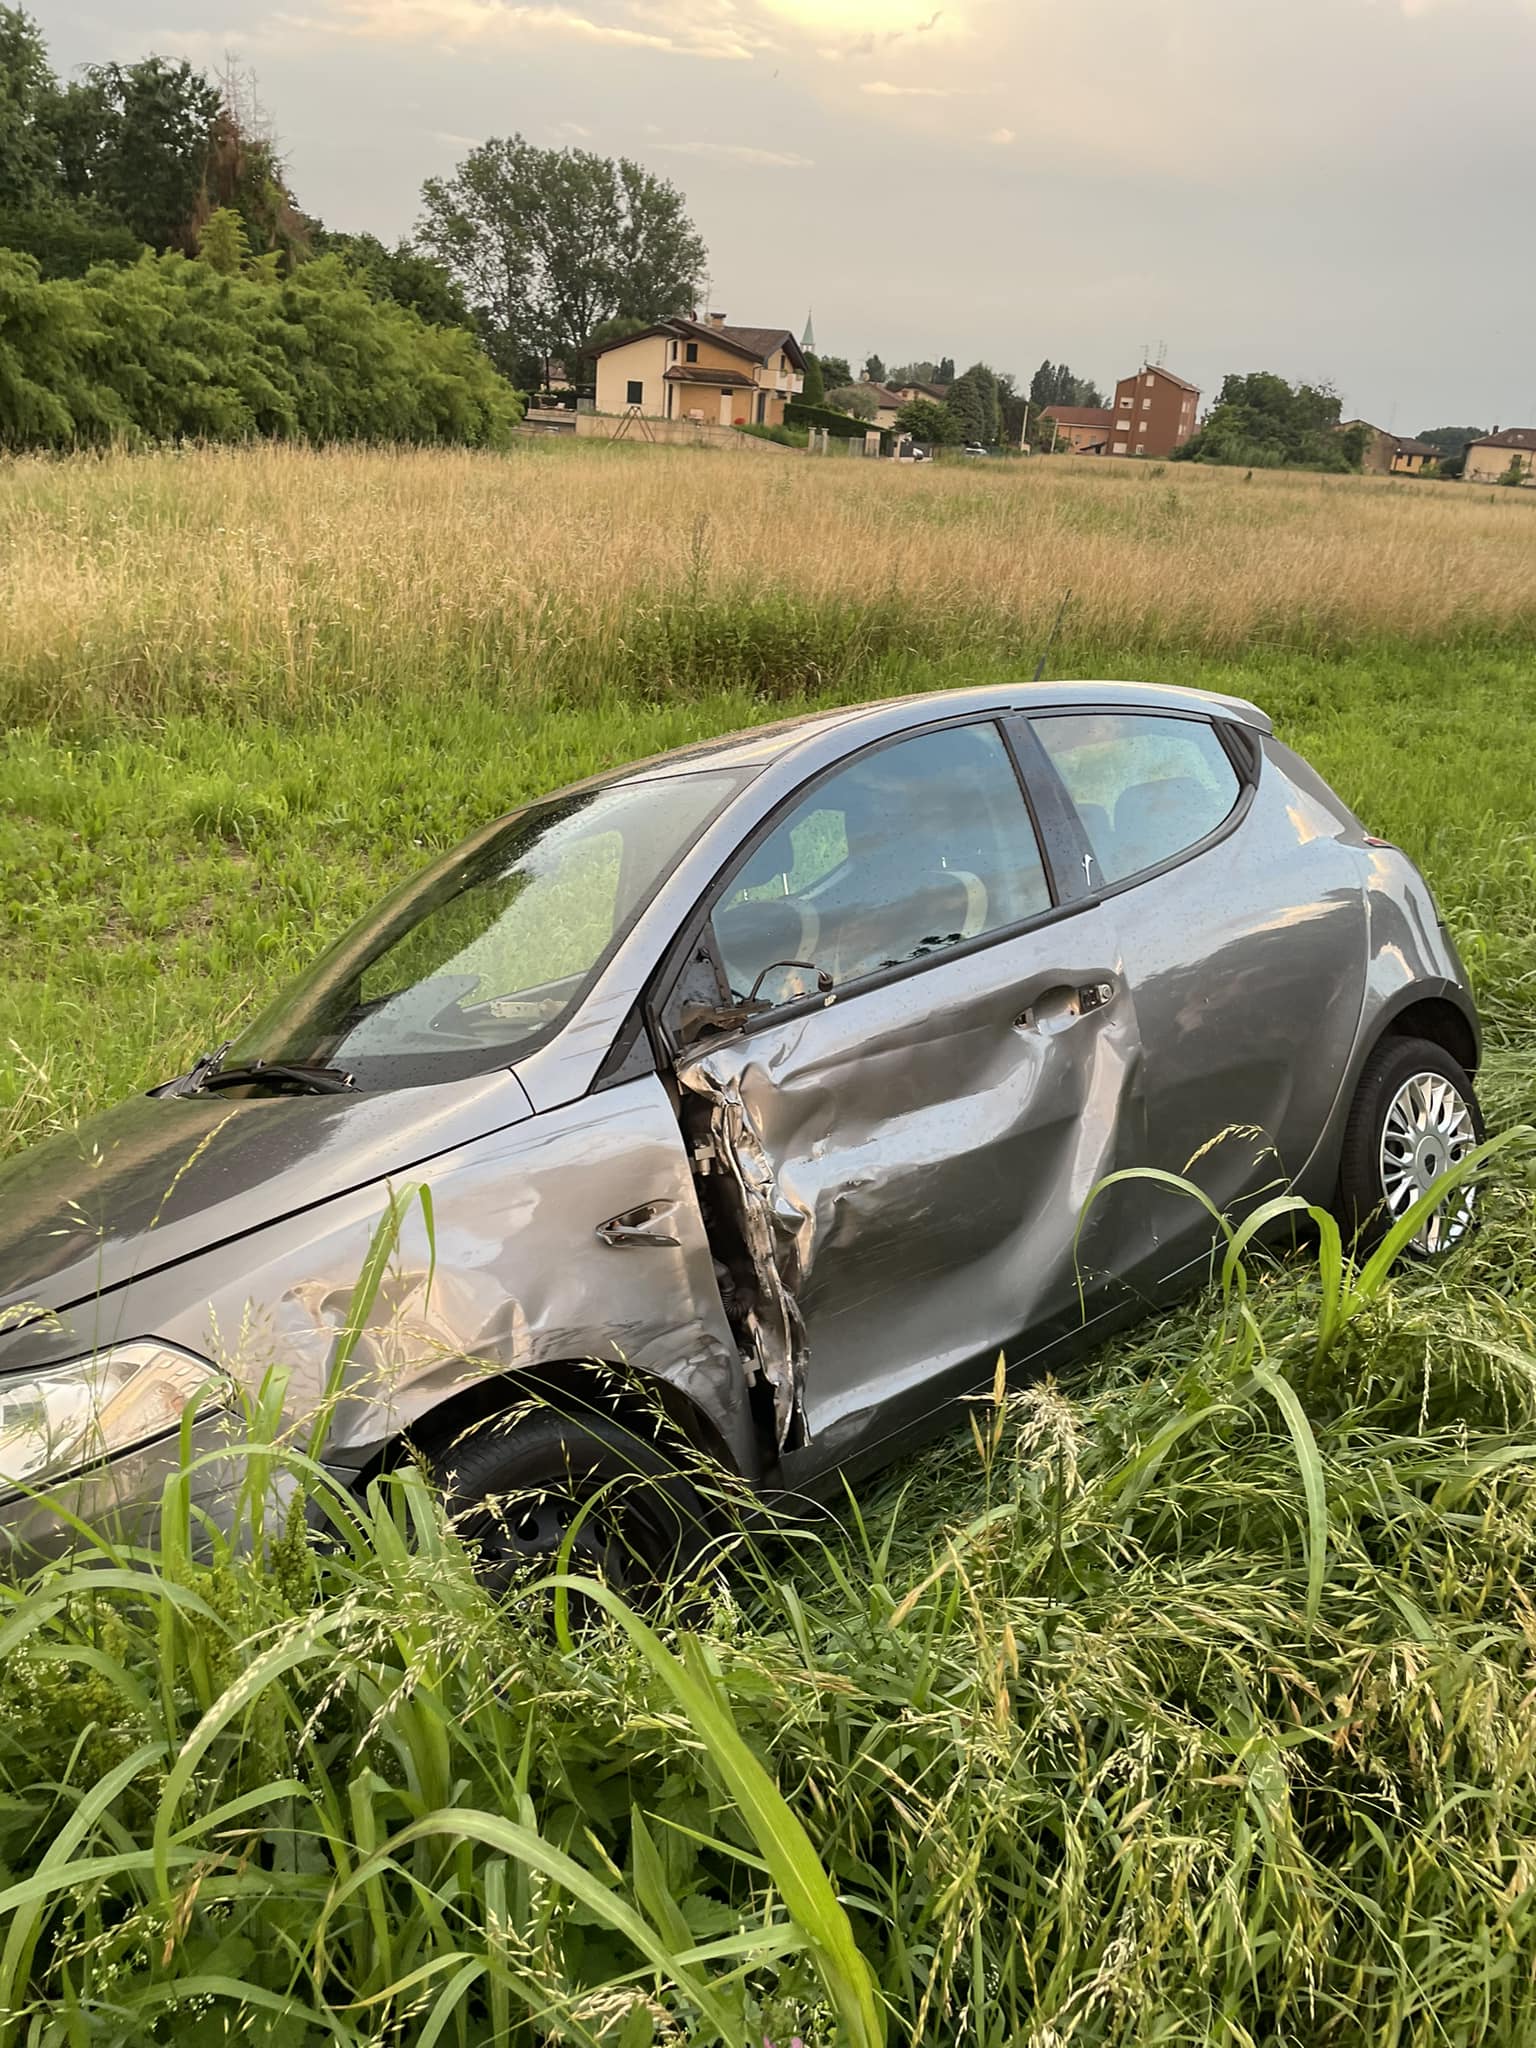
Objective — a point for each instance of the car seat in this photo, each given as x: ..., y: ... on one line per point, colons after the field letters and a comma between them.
x: 1156, y: 819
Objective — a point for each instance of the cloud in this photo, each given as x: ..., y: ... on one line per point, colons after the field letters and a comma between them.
x: 886, y: 89
x: 673, y: 30
x: 738, y: 152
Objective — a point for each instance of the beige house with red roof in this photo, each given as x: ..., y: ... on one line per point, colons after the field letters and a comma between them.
x: 704, y: 370
x: 1493, y: 458
x: 1078, y: 429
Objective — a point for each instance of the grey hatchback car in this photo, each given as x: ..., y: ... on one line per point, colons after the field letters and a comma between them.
x: 770, y: 1078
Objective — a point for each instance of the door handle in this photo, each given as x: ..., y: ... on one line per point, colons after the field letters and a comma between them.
x: 647, y: 1225
x: 1055, y: 1008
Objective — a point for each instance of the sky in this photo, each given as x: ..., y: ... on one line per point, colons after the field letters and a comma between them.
x: 1330, y: 189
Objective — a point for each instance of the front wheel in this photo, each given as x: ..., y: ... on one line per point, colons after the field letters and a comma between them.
x: 1414, y: 1116
x: 516, y: 1489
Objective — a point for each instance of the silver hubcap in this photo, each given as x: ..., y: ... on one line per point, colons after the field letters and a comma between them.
x: 1428, y: 1129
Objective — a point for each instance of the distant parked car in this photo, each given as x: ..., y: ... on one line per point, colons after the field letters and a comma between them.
x: 973, y: 448
x: 776, y: 1071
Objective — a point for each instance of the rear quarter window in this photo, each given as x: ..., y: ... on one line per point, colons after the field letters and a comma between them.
x: 1145, y: 788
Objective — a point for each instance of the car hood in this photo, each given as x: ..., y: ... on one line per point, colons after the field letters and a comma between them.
x: 158, y: 1179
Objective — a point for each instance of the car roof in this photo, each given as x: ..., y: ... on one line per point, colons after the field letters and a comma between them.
x: 758, y: 746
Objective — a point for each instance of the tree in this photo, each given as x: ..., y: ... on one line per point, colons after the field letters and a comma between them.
x: 835, y: 371
x: 548, y: 243
x: 401, y: 274
x: 1055, y: 384
x: 136, y: 141
x: 28, y: 94
x: 860, y: 400
x: 222, y: 242
x: 945, y: 372
x: 972, y: 398
x: 1453, y: 443
x: 245, y: 172
x: 927, y: 420
x: 1013, y: 410
x: 874, y: 370
x: 813, y: 386
x: 1262, y: 422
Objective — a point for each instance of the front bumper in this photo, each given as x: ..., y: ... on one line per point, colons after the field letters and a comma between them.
x: 121, y: 1501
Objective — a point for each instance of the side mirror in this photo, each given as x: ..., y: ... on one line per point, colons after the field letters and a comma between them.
x: 698, y: 1018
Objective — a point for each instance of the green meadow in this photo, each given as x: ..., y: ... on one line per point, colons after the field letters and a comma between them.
x: 1189, y: 1700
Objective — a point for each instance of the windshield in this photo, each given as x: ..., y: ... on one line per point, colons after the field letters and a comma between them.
x: 468, y: 966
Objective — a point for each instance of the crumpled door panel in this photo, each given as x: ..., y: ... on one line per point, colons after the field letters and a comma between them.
x: 910, y: 1165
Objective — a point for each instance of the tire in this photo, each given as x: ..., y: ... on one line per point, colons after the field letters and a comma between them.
x: 1415, y: 1113
x: 514, y: 1489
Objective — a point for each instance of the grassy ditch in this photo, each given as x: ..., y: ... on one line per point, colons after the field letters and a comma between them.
x: 1191, y: 1703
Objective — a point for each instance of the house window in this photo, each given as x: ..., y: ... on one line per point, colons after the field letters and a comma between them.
x: 762, y: 407
x: 634, y: 392
x: 673, y: 356
x: 1141, y: 447
x: 1119, y: 448
x: 1146, y: 405
x: 690, y: 352
x: 1148, y: 381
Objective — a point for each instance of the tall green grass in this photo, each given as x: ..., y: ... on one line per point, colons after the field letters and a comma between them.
x: 1195, y: 1705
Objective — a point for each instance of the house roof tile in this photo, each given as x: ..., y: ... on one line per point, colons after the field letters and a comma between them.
x: 1157, y: 370
x: 704, y: 373
x: 757, y: 342
x: 1512, y: 437
x: 1080, y: 415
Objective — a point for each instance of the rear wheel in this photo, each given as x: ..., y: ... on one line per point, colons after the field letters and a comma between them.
x: 516, y: 1490
x: 1415, y: 1114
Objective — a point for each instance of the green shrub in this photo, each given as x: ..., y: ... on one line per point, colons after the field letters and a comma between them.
x: 168, y: 349
x: 786, y: 436
x: 841, y: 424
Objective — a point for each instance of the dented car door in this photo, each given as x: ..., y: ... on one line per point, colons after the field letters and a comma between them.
x: 893, y: 1157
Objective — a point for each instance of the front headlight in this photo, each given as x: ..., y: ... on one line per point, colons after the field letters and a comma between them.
x: 55, y: 1422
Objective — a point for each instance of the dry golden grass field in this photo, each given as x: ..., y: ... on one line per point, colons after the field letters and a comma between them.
x: 278, y: 576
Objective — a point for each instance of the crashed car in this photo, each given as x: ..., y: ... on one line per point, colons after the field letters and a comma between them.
x: 773, y: 1076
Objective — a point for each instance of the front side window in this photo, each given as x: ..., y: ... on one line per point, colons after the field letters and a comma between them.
x: 909, y: 850
x: 635, y: 391
x: 468, y: 966
x: 1144, y: 788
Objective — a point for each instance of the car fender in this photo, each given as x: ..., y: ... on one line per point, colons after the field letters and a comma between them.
x: 501, y: 1269
x: 1412, y: 959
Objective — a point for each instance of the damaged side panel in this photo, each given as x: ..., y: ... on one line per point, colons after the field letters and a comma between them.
x: 905, y: 1169
x: 736, y: 1191
x: 573, y: 1236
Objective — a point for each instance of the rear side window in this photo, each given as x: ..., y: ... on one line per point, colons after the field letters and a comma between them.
x: 1144, y: 788
x: 907, y: 851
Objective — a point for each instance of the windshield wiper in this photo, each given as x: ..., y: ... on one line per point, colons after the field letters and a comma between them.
x: 210, y: 1072
x: 317, y: 1080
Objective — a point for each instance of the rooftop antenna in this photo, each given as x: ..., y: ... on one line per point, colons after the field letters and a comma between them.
x: 1162, y: 353
x: 1050, y: 638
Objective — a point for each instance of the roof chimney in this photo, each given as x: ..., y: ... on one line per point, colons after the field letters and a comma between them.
x: 1495, y: 426
x: 717, y: 319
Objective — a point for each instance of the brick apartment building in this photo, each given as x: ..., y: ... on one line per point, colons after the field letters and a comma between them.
x: 1154, y: 412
